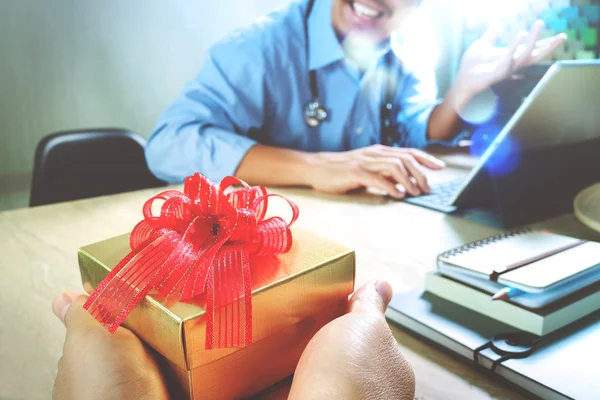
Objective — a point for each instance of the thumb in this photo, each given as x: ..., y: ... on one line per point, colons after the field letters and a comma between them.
x: 372, y: 297
x: 68, y: 307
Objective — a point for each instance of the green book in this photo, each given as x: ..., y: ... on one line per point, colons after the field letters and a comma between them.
x: 538, y: 321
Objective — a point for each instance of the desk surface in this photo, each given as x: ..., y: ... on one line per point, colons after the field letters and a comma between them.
x: 393, y: 240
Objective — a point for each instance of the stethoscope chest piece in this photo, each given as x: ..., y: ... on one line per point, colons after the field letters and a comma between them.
x: 314, y: 113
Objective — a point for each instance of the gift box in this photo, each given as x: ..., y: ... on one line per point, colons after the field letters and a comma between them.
x: 208, y: 349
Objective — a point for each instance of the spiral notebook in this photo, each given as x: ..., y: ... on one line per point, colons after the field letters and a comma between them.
x: 529, y: 260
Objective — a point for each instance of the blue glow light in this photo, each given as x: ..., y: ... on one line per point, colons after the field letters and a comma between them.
x: 505, y: 159
x: 483, y: 136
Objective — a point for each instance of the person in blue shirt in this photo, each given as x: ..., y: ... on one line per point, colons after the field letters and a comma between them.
x: 317, y: 95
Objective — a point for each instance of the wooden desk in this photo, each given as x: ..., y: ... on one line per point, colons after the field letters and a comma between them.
x: 393, y: 241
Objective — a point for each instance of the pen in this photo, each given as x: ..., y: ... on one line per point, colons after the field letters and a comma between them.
x: 505, y: 293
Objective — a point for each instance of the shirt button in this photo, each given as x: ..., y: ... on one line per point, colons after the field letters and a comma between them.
x: 359, y: 131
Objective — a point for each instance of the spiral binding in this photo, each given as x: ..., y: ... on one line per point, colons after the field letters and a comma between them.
x: 484, y: 242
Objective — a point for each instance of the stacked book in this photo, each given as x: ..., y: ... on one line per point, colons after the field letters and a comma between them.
x: 535, y: 281
x: 523, y: 305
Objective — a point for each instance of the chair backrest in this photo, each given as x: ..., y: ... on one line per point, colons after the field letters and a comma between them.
x: 74, y: 165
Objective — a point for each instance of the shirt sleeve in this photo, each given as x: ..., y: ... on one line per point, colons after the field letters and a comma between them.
x: 417, y: 99
x: 209, y: 126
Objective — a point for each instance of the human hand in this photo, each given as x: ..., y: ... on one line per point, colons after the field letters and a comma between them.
x: 355, y: 356
x: 391, y: 169
x: 99, y: 365
x: 484, y: 64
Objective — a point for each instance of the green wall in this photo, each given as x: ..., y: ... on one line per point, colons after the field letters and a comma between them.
x: 70, y: 64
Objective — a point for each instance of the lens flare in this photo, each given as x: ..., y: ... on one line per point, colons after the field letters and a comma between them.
x: 505, y: 159
x: 483, y: 136
x: 416, y: 43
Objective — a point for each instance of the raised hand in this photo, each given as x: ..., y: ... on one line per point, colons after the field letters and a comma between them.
x: 485, y: 64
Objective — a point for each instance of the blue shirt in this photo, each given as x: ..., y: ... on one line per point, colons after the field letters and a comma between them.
x: 253, y: 88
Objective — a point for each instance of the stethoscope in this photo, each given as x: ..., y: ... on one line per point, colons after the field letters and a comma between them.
x: 316, y: 113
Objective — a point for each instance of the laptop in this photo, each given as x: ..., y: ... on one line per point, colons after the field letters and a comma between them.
x: 543, y: 156
x: 560, y: 365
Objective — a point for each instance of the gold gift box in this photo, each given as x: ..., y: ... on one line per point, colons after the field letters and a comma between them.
x: 293, y: 296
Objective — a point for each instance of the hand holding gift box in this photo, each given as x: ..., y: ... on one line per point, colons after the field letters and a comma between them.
x: 225, y: 296
x: 355, y: 355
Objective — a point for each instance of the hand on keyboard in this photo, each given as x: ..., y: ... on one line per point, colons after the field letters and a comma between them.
x: 395, y: 171
x: 440, y: 196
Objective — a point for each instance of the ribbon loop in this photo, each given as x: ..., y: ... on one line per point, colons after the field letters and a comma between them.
x: 200, y: 242
x: 264, y: 199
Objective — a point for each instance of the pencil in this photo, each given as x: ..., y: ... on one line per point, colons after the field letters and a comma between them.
x: 503, y: 294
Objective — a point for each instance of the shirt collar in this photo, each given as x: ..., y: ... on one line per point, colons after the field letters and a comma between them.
x: 323, y: 45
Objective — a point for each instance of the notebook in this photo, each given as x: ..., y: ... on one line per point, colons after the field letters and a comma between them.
x: 562, y: 365
x: 528, y: 260
x: 542, y: 318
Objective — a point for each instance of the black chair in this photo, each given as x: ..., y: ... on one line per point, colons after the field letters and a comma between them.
x: 75, y: 165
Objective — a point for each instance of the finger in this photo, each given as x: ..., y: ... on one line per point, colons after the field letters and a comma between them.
x: 524, y: 53
x: 427, y: 160
x: 544, y: 48
x: 374, y: 180
x: 68, y: 307
x: 408, y: 166
x: 372, y: 297
x: 422, y: 157
x: 492, y: 33
x: 509, y: 61
x: 62, y: 303
x: 543, y: 44
x: 414, y: 170
x: 394, y: 169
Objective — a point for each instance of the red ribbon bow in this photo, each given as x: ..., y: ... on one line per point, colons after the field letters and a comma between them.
x: 200, y: 243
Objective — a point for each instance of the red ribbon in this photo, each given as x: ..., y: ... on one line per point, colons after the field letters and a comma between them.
x: 200, y: 243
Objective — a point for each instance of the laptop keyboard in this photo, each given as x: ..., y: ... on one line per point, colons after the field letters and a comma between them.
x: 439, y: 198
